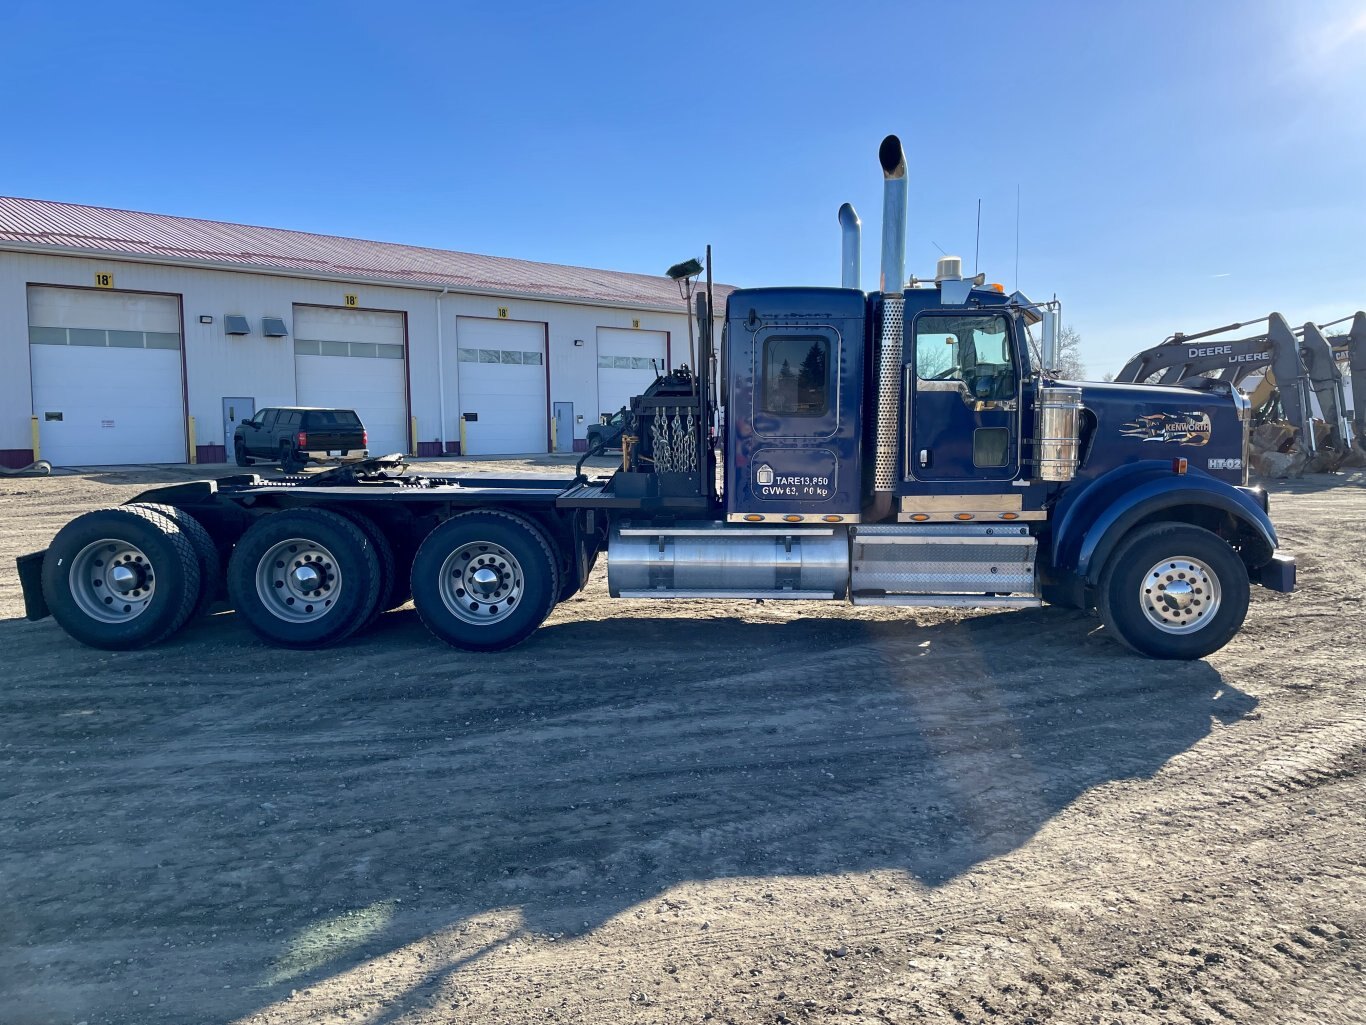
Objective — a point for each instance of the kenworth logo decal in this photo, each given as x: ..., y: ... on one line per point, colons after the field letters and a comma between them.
x: 1181, y: 428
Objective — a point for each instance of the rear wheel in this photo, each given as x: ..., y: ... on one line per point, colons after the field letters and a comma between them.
x: 121, y: 578
x: 1172, y: 590
x: 290, y: 461
x: 206, y: 553
x: 484, y: 580
x: 304, y: 578
x: 393, y: 585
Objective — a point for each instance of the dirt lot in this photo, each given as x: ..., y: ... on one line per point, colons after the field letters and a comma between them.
x: 660, y: 812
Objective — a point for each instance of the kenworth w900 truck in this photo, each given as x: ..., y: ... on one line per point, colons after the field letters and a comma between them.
x: 899, y: 447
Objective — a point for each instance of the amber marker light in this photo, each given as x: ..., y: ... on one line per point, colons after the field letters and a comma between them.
x: 920, y: 517
x: 962, y: 516
x: 832, y: 519
x: 1010, y: 516
x: 754, y: 518
x: 792, y: 519
x: 1179, y: 465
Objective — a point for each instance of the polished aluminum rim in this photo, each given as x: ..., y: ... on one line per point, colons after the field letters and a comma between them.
x: 481, y: 583
x: 298, y: 580
x: 1180, y: 595
x: 112, y: 581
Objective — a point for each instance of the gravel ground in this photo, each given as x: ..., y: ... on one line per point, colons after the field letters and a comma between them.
x: 671, y: 812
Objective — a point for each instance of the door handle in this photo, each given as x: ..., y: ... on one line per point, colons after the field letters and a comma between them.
x: 924, y: 458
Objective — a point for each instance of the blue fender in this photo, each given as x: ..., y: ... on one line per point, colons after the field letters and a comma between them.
x: 1093, y: 518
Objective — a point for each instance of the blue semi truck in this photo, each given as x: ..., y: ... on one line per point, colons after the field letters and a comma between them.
x: 902, y: 447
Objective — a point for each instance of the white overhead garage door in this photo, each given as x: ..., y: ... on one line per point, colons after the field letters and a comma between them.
x: 353, y: 359
x: 107, y: 381
x: 502, y: 381
x: 624, y: 364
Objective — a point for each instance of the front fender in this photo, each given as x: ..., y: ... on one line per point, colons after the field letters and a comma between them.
x: 1092, y: 524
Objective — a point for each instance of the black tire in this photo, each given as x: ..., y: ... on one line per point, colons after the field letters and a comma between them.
x: 393, y: 588
x: 239, y: 453
x: 209, y: 558
x: 1200, y: 563
x: 290, y: 461
x: 504, y: 544
x: 292, y: 616
x: 157, y: 554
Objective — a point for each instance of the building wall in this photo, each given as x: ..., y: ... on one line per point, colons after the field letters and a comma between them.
x: 218, y: 365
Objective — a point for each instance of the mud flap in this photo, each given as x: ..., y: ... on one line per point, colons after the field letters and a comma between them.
x: 31, y: 580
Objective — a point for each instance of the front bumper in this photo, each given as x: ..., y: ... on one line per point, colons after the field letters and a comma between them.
x: 1278, y: 574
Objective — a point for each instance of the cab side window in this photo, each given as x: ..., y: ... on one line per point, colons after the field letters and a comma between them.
x: 796, y: 376
x: 974, y: 352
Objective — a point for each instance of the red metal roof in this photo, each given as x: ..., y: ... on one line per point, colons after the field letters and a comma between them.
x: 42, y: 223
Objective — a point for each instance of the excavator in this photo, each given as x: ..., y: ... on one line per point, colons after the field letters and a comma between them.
x: 1296, y: 367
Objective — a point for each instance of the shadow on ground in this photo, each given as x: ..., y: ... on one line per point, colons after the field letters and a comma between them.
x: 226, y: 796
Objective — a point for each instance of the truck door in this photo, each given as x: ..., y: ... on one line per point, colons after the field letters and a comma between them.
x: 963, y: 386
x: 259, y: 439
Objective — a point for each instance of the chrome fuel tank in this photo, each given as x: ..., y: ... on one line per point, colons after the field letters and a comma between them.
x: 711, y: 560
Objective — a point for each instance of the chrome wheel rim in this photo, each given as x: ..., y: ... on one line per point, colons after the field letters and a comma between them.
x: 481, y: 583
x: 112, y: 581
x: 1180, y: 595
x: 298, y: 580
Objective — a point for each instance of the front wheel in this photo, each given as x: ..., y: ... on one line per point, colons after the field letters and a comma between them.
x: 484, y: 580
x: 239, y: 453
x: 1174, y: 591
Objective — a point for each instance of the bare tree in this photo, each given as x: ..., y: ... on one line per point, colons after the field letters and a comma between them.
x: 1070, y: 365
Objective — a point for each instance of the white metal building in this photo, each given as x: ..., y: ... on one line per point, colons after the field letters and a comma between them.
x: 142, y: 338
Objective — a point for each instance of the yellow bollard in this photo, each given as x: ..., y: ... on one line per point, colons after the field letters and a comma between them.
x: 33, y: 430
x: 412, y: 435
x: 194, y: 449
x: 554, y: 435
x: 463, y: 450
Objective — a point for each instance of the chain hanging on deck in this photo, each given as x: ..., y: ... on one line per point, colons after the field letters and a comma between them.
x: 659, y: 442
x: 676, y: 429
x: 688, y: 455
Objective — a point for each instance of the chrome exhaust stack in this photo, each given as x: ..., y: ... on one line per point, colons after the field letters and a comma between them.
x: 851, y: 257
x: 892, y: 281
x: 893, y: 160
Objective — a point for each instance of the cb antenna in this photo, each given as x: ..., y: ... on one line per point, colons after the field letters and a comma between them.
x: 1017, y: 237
x: 977, y: 249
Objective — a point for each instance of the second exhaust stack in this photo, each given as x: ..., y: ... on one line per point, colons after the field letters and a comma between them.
x: 851, y: 257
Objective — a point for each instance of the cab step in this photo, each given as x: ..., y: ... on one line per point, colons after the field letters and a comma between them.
x: 950, y: 601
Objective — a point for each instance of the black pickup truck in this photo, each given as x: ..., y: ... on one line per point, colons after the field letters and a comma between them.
x: 292, y: 435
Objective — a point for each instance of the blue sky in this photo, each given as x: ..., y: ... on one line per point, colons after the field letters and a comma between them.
x: 1180, y: 165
